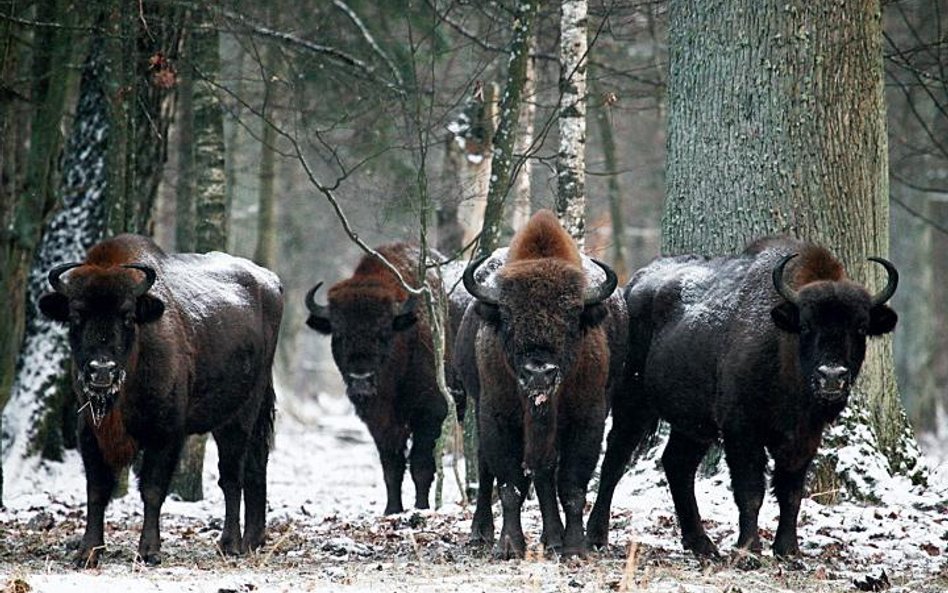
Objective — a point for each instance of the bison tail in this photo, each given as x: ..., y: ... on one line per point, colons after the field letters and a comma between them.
x: 261, y: 439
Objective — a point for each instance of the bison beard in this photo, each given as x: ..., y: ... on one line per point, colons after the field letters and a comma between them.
x: 759, y: 350
x: 156, y: 362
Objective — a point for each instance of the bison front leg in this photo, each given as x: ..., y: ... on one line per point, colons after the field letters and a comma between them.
x: 681, y: 459
x: 482, y: 525
x: 629, y: 428
x: 545, y: 481
x: 512, y: 494
x: 157, y: 467
x: 100, y: 483
x: 788, y: 487
x: 746, y: 460
x: 425, y: 432
x: 579, y: 451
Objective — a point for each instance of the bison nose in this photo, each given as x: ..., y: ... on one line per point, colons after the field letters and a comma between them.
x: 101, y: 372
x: 833, y: 378
x: 537, y: 374
x: 360, y: 385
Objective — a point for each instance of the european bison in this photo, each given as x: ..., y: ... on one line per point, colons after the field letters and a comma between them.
x: 382, y: 345
x: 539, y: 349
x: 164, y: 346
x: 760, y: 350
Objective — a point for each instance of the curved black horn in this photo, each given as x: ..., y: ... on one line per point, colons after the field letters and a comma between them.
x: 781, y: 286
x: 311, y: 304
x: 479, y: 292
x: 150, y: 276
x: 58, y: 271
x: 890, y: 286
x: 599, y: 293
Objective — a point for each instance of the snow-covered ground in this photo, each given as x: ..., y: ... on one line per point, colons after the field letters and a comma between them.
x: 327, y: 533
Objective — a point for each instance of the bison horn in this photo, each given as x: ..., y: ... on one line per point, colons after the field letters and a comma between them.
x: 58, y: 271
x: 597, y: 294
x: 893, y: 282
x: 150, y: 276
x: 782, y: 289
x: 311, y: 304
x: 481, y: 293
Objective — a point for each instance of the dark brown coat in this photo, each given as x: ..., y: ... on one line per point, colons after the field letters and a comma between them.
x: 382, y: 345
x: 547, y: 349
x: 759, y: 350
x: 165, y: 346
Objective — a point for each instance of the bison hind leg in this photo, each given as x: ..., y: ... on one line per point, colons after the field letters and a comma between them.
x: 255, y: 477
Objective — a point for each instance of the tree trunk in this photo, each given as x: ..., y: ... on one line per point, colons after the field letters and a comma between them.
x: 794, y: 143
x: 32, y: 418
x: 184, y: 219
x: 503, y: 142
x: 266, y: 252
x: 24, y: 216
x: 524, y: 143
x: 614, y: 193
x: 571, y: 159
x: 211, y: 210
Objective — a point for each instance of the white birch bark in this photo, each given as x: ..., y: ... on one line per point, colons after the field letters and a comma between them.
x: 571, y: 159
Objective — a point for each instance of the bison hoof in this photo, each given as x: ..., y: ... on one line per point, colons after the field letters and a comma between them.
x: 574, y: 551
x: 786, y: 549
x: 597, y: 537
x: 746, y: 560
x: 510, y: 549
x: 150, y: 558
x: 87, y: 558
x: 231, y: 546
x: 480, y: 540
x: 394, y: 509
x: 702, y: 547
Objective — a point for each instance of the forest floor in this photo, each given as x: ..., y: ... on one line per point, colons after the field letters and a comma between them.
x: 327, y: 533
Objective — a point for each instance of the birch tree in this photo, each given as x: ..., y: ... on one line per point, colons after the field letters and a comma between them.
x: 524, y: 143
x: 571, y: 158
x: 794, y: 143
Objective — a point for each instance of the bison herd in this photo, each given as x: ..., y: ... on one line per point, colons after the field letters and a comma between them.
x: 757, y: 351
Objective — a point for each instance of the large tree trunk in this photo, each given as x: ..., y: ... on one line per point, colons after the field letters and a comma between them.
x: 24, y: 215
x: 571, y: 159
x: 794, y: 143
x: 524, y: 144
x: 211, y: 211
x: 31, y: 420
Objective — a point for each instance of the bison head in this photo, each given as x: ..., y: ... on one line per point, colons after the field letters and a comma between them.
x: 540, y: 309
x: 363, y: 321
x: 103, y: 309
x: 832, y: 319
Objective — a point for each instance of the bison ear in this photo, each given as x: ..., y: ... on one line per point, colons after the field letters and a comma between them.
x: 55, y: 306
x: 882, y: 320
x: 319, y: 323
x: 488, y: 312
x: 787, y: 317
x: 148, y: 308
x: 592, y: 315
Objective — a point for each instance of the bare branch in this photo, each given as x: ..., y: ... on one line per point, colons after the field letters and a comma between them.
x: 370, y: 40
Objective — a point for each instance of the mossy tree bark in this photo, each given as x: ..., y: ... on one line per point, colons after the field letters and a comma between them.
x: 793, y: 142
x: 211, y: 210
x: 504, y: 138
